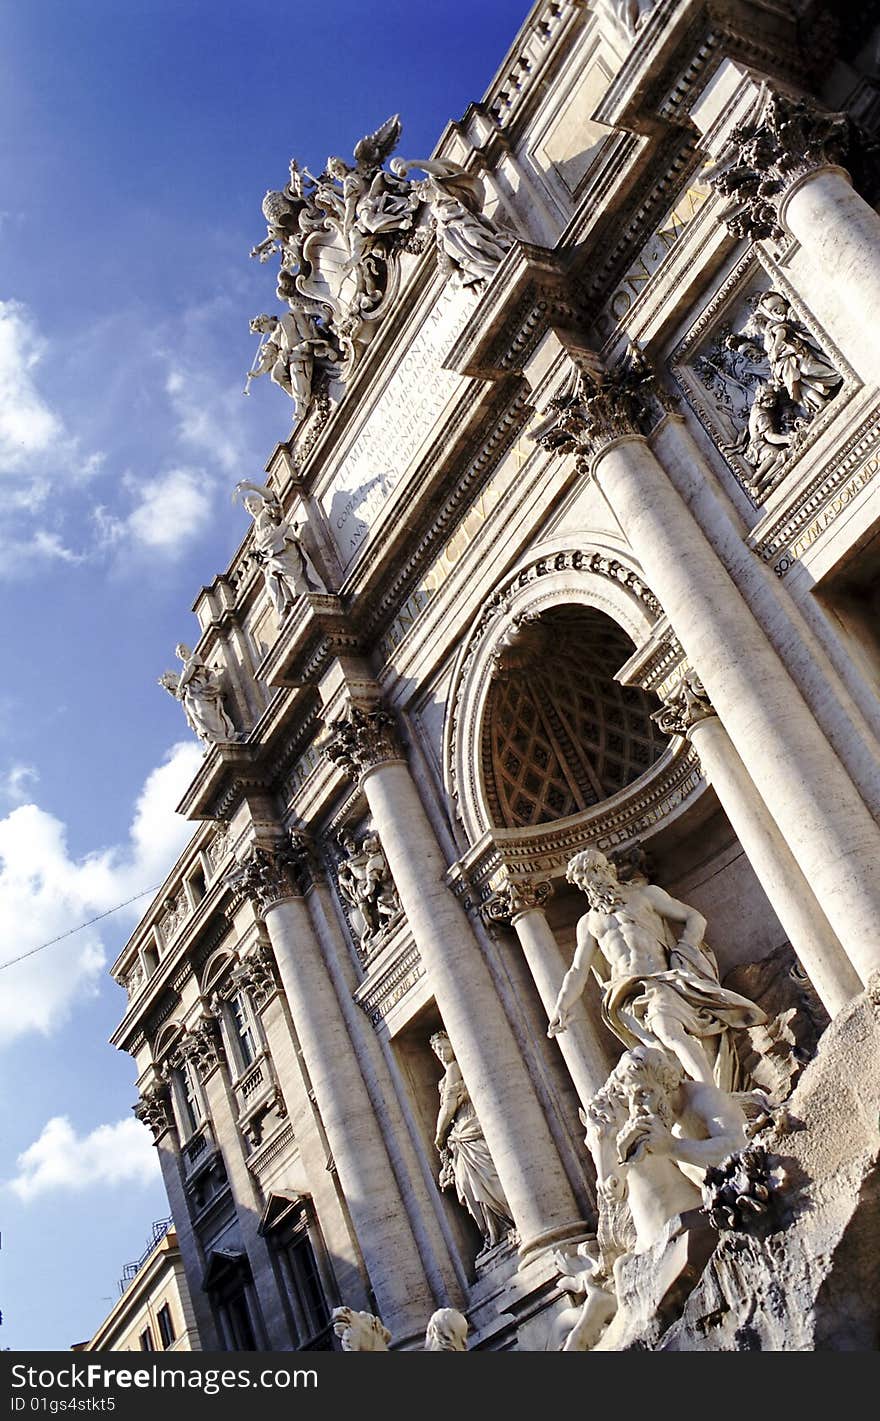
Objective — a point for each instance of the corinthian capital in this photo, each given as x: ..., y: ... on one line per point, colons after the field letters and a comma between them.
x: 787, y: 139
x: 154, y: 1110
x: 516, y: 896
x: 684, y: 707
x: 269, y: 873
x: 598, y: 406
x: 362, y: 739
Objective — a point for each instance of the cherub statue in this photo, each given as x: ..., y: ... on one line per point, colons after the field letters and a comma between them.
x: 287, y: 568
x: 660, y: 987
x: 468, y: 241
x: 197, y: 687
x: 464, y: 1154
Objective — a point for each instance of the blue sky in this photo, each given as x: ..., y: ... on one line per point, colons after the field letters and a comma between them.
x: 136, y: 142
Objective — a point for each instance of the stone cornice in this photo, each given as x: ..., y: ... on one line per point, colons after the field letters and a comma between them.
x: 530, y: 290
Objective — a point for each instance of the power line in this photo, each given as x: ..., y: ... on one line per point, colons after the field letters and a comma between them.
x: 70, y: 931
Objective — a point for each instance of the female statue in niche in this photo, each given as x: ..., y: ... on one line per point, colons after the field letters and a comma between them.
x: 464, y: 1155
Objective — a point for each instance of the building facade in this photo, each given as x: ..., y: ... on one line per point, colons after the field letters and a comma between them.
x: 572, y: 547
x: 154, y: 1312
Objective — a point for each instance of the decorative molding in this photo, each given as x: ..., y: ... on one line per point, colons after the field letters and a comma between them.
x: 684, y: 707
x: 598, y: 406
x: 390, y: 981
x: 154, y: 1110
x: 787, y: 139
x: 513, y: 897
x: 362, y: 739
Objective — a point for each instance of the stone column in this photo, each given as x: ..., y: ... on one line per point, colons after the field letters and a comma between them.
x: 786, y: 168
x: 154, y: 1110
x: 378, y: 1211
x: 544, y: 1209
x: 522, y: 904
x: 688, y: 711
x: 815, y: 804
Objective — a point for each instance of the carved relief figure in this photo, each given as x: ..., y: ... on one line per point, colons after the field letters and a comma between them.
x: 365, y: 882
x: 197, y: 687
x: 660, y: 987
x: 796, y: 362
x: 288, y: 570
x: 465, y: 1161
x: 468, y: 241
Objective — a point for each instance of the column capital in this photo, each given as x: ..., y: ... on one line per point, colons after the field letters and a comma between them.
x: 154, y: 1110
x: 786, y: 139
x: 271, y: 872
x: 514, y: 897
x: 202, y: 1047
x: 597, y: 406
x: 363, y: 738
x: 684, y: 707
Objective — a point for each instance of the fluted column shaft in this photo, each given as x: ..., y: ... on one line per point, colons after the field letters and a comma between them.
x: 814, y: 803
x: 840, y: 233
x: 581, y: 1049
x: 774, y: 865
x: 504, y: 1098
x: 371, y: 1192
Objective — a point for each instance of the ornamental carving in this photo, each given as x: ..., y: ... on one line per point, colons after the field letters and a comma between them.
x: 340, y: 237
x: 598, y: 406
x: 361, y: 740
x: 514, y: 897
x: 743, y: 1193
x: 367, y: 888
x: 758, y: 378
x: 268, y: 874
x: 256, y: 975
x: 202, y: 1047
x: 685, y: 706
x: 789, y: 138
x: 154, y: 1110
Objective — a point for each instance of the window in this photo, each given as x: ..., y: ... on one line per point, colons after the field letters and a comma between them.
x: 145, y: 1340
x: 229, y: 1285
x: 166, y: 1326
x: 245, y: 1031
x: 188, y: 1099
x: 291, y: 1229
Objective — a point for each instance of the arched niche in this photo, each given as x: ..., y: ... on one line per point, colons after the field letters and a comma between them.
x: 541, y: 741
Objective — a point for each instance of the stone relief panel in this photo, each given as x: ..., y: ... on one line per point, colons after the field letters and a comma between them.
x: 758, y: 377
x: 366, y: 889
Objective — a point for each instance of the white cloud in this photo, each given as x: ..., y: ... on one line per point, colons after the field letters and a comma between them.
x: 28, y: 425
x: 170, y: 511
x: 209, y: 416
x: 61, y: 1160
x: 16, y: 784
x: 44, y: 891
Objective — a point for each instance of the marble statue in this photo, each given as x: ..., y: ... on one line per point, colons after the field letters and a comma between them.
x: 630, y: 15
x: 360, y: 1331
x: 660, y: 987
x: 366, y: 884
x: 447, y: 1331
x: 291, y: 343
x: 197, y: 687
x: 465, y: 1161
x: 468, y: 241
x: 288, y: 570
x: 653, y: 1133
